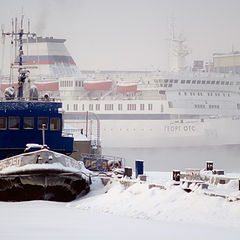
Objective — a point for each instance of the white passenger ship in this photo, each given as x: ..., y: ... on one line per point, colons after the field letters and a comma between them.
x: 169, y: 110
x: 140, y: 109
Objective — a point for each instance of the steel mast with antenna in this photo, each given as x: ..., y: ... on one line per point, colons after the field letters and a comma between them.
x: 23, y: 73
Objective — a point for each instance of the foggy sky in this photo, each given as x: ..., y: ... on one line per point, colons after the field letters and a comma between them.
x: 130, y: 34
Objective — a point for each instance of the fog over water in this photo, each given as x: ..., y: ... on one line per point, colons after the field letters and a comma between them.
x: 167, y: 159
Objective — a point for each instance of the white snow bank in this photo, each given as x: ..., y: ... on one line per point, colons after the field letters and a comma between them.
x: 172, y: 205
x: 154, y: 214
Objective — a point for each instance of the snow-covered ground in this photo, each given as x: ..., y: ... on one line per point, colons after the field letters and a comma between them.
x: 114, y: 212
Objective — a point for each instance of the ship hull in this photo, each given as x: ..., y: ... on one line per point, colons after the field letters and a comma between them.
x: 166, y: 133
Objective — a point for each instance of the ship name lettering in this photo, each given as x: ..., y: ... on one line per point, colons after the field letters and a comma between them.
x: 172, y: 128
x: 189, y: 128
x: 186, y: 128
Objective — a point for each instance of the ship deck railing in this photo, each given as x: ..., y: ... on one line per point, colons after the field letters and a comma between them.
x: 108, y: 158
x: 28, y: 99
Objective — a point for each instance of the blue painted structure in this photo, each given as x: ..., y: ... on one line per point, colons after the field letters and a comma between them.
x: 139, y: 168
x: 13, y: 139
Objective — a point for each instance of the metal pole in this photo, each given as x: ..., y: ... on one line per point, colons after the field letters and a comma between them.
x: 43, y: 134
x: 87, y: 124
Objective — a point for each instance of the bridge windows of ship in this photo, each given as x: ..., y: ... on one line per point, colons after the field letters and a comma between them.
x: 150, y: 107
x: 75, y: 107
x: 68, y: 107
x: 90, y: 107
x: 78, y: 83
x: 42, y: 121
x: 142, y: 107
x: 83, y: 107
x: 13, y: 123
x: 54, y: 124
x: 120, y: 107
x: 98, y: 107
x: 214, y: 106
x: 28, y: 123
x: 108, y: 107
x: 199, y: 106
x: 131, y: 107
x: 170, y: 104
x: 3, y: 123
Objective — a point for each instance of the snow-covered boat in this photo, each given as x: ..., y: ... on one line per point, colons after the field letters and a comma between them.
x: 42, y: 175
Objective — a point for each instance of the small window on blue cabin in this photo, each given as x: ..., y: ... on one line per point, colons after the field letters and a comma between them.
x: 28, y: 123
x: 3, y: 123
x: 13, y: 123
x: 41, y: 121
x: 54, y: 124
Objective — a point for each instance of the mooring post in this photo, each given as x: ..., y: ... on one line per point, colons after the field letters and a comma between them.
x: 128, y: 172
x: 139, y: 167
x: 176, y: 175
x: 209, y: 166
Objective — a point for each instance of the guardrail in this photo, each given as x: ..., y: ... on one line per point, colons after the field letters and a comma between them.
x: 27, y: 99
x: 100, y: 162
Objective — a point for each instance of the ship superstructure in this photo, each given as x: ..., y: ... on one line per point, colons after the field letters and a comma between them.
x: 50, y: 58
x: 142, y: 108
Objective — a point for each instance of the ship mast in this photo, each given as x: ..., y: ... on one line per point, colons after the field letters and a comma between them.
x: 178, y: 51
x: 18, y: 36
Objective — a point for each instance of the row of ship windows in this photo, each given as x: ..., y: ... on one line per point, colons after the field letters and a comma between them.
x: 70, y: 83
x: 13, y: 123
x: 110, y: 107
x: 201, y: 94
x: 198, y: 82
x: 204, y: 106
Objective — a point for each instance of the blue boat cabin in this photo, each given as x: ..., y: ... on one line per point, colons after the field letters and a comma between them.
x: 21, y: 122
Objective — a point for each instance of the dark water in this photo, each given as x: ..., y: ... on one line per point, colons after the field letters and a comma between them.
x: 167, y: 159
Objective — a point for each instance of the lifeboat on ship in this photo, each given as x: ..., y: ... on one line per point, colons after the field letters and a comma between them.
x: 124, y: 87
x: 47, y: 86
x: 97, y: 85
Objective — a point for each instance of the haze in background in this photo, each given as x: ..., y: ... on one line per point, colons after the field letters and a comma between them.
x: 130, y: 34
